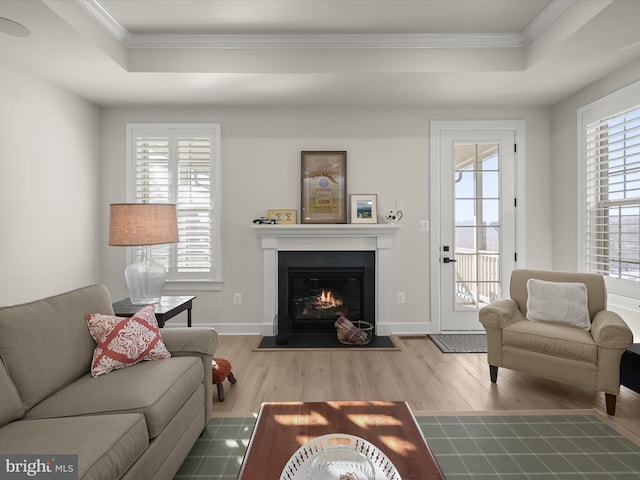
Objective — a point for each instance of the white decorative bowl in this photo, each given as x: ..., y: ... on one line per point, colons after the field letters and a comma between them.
x: 336, y: 455
x: 340, y: 464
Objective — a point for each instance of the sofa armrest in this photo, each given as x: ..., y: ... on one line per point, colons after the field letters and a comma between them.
x: 190, y: 341
x: 500, y: 313
x: 200, y: 342
x: 609, y: 330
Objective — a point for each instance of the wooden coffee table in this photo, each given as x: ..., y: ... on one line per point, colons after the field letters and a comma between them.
x: 282, y: 428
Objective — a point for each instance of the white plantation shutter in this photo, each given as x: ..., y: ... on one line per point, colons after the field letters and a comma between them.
x: 611, y: 192
x: 178, y: 164
x: 194, y: 205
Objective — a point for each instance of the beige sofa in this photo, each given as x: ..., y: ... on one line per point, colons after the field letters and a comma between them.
x: 138, y: 422
x: 588, y: 358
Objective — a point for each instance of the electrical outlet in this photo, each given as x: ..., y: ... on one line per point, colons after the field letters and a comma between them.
x: 237, y: 298
x: 423, y: 225
x: 400, y: 297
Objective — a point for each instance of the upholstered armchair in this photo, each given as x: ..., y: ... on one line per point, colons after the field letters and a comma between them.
x: 558, y: 347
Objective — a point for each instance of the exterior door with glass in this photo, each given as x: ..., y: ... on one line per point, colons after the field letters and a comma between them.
x: 477, y: 249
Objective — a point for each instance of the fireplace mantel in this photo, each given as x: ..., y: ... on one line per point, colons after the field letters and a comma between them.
x: 324, y: 237
x: 322, y: 230
x: 328, y: 237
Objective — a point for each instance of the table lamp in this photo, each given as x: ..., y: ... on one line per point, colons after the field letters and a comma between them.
x: 143, y: 224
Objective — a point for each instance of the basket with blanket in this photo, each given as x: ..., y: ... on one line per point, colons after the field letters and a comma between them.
x: 357, y: 332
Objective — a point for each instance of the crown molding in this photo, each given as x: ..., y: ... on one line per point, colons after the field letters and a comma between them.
x: 325, y: 41
x: 546, y: 18
x: 102, y: 15
x: 343, y: 41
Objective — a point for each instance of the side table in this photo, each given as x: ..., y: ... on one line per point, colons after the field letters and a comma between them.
x: 167, y: 308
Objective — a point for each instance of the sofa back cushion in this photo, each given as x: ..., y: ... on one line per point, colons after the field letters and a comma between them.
x: 46, y: 344
x: 11, y: 407
x: 596, y: 290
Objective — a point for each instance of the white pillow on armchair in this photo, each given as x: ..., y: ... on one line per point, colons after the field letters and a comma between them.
x: 562, y: 302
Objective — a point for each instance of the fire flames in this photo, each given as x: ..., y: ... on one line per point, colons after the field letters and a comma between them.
x: 327, y: 300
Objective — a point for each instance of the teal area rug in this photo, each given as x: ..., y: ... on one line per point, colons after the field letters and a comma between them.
x: 563, y: 447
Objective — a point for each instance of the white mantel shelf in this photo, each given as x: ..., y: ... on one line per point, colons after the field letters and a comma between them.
x: 327, y: 237
x: 331, y: 230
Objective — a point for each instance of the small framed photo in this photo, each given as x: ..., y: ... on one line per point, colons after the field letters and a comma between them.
x: 364, y: 208
x: 283, y: 216
x: 324, y: 187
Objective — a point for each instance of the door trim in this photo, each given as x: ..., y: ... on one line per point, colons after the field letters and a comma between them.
x: 435, y: 132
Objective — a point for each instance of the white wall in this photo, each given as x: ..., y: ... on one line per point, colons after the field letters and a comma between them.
x: 565, y: 178
x: 387, y: 154
x: 49, y: 188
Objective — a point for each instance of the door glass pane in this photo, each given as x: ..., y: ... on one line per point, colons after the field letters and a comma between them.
x: 466, y: 296
x: 489, y: 239
x: 477, y: 225
x: 488, y: 157
x: 490, y: 186
x: 490, y: 212
x: 465, y: 212
x: 465, y: 185
x: 465, y: 239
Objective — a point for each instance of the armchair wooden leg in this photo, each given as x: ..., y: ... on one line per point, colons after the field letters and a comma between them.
x: 610, y: 400
x: 493, y: 373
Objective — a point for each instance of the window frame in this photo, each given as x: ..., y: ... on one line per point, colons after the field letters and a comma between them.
x: 616, y: 103
x: 177, y: 281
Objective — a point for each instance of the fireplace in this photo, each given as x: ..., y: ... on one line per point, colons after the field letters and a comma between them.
x: 377, y: 239
x: 317, y: 287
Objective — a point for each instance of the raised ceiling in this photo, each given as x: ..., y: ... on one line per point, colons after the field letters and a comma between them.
x: 323, y: 52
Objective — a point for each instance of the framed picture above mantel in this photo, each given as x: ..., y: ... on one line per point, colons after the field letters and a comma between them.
x: 323, y: 187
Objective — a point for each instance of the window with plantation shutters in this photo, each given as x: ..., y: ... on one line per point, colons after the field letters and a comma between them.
x: 179, y: 164
x: 611, y: 191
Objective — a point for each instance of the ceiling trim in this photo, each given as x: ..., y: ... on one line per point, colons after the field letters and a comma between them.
x: 344, y: 41
x: 102, y: 15
x: 356, y: 41
x: 546, y: 18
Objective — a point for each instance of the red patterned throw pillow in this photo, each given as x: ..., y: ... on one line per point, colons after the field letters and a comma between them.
x: 125, y: 341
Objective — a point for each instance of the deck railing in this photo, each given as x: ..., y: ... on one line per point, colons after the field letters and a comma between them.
x: 477, y: 276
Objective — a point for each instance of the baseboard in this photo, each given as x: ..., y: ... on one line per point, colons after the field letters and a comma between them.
x: 406, y: 329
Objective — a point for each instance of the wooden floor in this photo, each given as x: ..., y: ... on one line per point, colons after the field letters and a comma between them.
x: 430, y: 381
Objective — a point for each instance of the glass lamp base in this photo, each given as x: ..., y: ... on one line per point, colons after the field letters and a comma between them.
x: 145, y: 280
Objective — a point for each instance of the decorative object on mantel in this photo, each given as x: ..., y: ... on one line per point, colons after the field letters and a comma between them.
x: 143, y: 224
x: 323, y: 187
x: 288, y: 217
x: 392, y: 217
x: 265, y: 220
x: 364, y: 208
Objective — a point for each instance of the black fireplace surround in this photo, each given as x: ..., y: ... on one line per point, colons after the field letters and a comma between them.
x: 316, y: 287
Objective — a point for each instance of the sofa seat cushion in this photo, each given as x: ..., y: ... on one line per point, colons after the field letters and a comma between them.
x: 156, y: 389
x: 552, y: 339
x: 106, y: 445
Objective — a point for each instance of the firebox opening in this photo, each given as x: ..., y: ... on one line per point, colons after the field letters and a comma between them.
x: 326, y: 294
x: 315, y: 288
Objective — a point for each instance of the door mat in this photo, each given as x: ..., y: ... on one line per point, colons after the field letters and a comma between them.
x: 323, y: 341
x: 500, y: 447
x: 461, y: 343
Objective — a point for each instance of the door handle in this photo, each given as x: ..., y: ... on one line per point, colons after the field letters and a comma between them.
x: 448, y: 260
